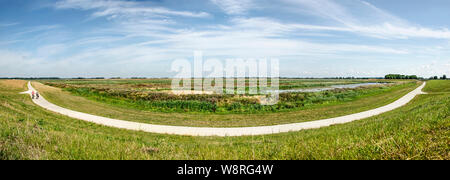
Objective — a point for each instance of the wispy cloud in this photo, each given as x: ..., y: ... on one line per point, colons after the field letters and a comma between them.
x: 327, y: 9
x: 3, y: 43
x: 8, y: 24
x: 429, y: 69
x: 50, y: 50
x: 235, y: 7
x: 368, y: 20
x: 276, y: 27
x: 37, y: 29
x: 159, y: 40
x: 116, y: 8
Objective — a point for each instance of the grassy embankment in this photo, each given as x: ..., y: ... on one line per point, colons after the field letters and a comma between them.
x: 375, y: 97
x: 419, y: 130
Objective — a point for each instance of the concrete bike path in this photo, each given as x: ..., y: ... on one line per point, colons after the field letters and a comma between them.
x: 239, y: 131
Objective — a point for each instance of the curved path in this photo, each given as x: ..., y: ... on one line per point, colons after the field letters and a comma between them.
x: 205, y: 131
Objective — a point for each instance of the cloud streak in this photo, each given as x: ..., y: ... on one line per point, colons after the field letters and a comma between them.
x: 115, y: 8
x: 368, y: 20
x: 235, y: 7
x: 8, y: 24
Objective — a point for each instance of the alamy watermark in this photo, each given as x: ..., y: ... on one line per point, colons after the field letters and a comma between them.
x: 231, y: 76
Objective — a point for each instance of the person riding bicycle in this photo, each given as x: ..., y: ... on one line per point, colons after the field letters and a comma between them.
x: 32, y: 94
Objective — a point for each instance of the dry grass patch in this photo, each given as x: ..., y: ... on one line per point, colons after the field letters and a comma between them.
x: 16, y: 84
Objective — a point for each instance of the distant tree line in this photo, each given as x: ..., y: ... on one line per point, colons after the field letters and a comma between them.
x: 42, y: 78
x: 436, y: 77
x: 399, y: 76
x: 331, y: 78
x: 30, y: 78
x: 108, y: 78
x: 87, y: 78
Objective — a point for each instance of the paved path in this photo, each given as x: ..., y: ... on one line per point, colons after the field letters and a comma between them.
x: 205, y: 131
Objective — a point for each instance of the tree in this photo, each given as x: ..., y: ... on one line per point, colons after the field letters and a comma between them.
x: 444, y: 77
x: 435, y: 77
x: 399, y: 76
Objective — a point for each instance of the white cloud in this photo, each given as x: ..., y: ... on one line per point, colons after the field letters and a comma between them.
x: 8, y: 24
x: 115, y: 8
x: 37, y: 29
x: 2, y: 43
x: 235, y: 7
x: 391, y: 31
x: 277, y: 28
x: 433, y: 68
x: 50, y: 50
x: 18, y: 64
x: 366, y: 19
x: 326, y: 9
x: 137, y: 11
x: 262, y: 37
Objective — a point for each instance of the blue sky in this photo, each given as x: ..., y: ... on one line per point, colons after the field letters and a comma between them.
x: 311, y: 38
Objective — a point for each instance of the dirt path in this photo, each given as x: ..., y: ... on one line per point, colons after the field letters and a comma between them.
x: 205, y: 131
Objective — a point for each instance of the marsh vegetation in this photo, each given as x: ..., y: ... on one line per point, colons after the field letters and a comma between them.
x: 155, y: 95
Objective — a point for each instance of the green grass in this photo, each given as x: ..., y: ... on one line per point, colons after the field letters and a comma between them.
x: 128, y: 111
x: 438, y: 86
x: 419, y: 130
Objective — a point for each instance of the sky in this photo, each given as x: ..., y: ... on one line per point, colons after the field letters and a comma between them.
x: 138, y: 38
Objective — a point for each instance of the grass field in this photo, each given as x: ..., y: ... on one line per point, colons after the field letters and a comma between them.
x: 419, y: 130
x: 371, y: 98
x: 437, y: 87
